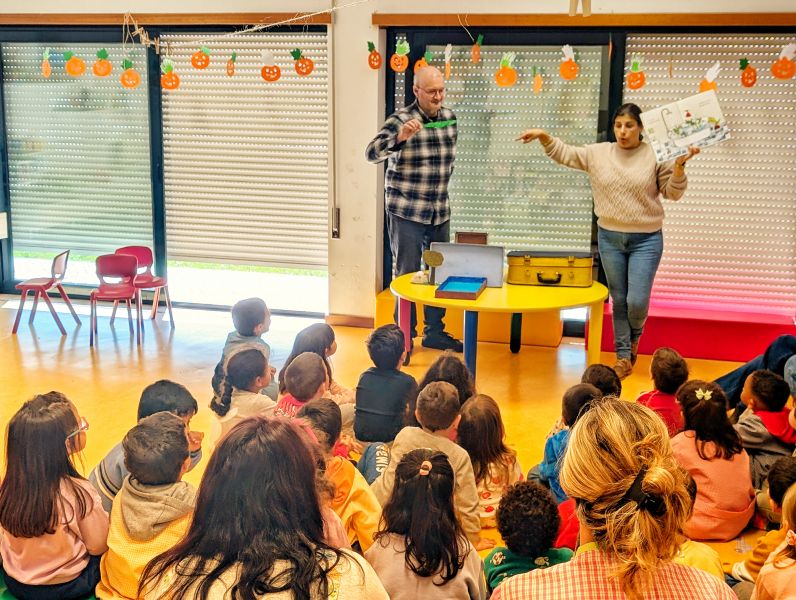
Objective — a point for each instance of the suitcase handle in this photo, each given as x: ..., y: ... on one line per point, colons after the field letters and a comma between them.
x: 548, y: 280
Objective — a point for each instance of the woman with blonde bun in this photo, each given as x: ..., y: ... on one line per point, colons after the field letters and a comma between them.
x: 632, y: 503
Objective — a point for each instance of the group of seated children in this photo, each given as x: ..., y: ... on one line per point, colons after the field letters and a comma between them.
x: 316, y: 491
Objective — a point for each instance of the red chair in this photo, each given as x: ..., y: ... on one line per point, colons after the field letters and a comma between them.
x: 39, y: 287
x: 123, y: 267
x: 146, y: 280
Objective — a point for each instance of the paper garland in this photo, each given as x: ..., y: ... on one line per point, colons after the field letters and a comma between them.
x: 102, y: 66
x: 201, y: 58
x: 709, y: 82
x: 748, y: 74
x: 636, y: 78
x: 506, y: 75
x: 569, y: 68
x: 303, y: 65
x: 130, y: 79
x: 74, y: 65
x: 169, y: 80
x: 785, y: 67
x: 399, y: 61
x: 374, y: 57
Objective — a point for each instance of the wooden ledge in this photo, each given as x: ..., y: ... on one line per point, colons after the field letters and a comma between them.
x: 162, y: 18
x: 682, y: 20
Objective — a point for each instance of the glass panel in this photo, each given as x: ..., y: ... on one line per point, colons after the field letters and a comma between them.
x: 78, y: 154
x: 514, y: 192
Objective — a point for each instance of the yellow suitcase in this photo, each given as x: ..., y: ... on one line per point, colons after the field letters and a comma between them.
x: 572, y: 269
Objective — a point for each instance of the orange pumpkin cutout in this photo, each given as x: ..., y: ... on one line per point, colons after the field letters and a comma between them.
x: 568, y: 69
x: 304, y: 65
x: 785, y: 66
x: 748, y: 74
x: 506, y: 75
x: 129, y: 78
x: 423, y: 61
x: 475, y: 51
x: 399, y: 61
x: 46, y: 67
x: 270, y: 71
x: 374, y: 58
x: 709, y: 82
x: 102, y: 66
x: 169, y: 80
x: 231, y: 64
x: 201, y: 58
x: 636, y: 78
x: 74, y: 65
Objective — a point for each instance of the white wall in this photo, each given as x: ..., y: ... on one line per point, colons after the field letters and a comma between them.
x: 355, y: 258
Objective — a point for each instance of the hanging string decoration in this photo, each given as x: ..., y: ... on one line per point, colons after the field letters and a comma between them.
x: 46, y: 68
x: 423, y: 61
x: 102, y: 66
x: 785, y: 66
x: 475, y: 51
x: 201, y: 58
x: 231, y: 64
x: 374, y: 57
x: 169, y: 80
x: 568, y: 69
x: 270, y: 70
x: 74, y: 65
x: 537, y: 80
x: 303, y: 65
x: 399, y: 61
x: 130, y: 79
x: 506, y: 75
x: 748, y: 74
x: 709, y: 82
x: 636, y: 78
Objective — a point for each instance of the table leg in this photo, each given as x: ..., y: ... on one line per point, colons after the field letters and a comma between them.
x: 470, y: 339
x: 516, y: 332
x: 595, y: 333
x: 405, y: 323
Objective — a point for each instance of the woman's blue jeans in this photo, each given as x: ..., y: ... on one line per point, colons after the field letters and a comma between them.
x: 630, y: 261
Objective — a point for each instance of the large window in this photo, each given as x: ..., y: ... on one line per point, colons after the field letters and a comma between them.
x: 731, y: 241
x: 78, y: 157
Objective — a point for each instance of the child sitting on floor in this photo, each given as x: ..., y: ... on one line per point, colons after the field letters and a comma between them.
x: 353, y: 500
x: 246, y: 374
x: 696, y: 554
x: 495, y: 465
x: 764, y: 428
x: 164, y: 395
x: 575, y: 402
x: 252, y: 320
x: 384, y: 393
x: 781, y: 477
x: 319, y: 339
x: 420, y: 550
x: 305, y: 379
x: 438, y: 412
x: 528, y: 522
x: 711, y: 451
x: 53, y: 528
x: 449, y: 368
x: 777, y: 579
x: 668, y: 371
x: 153, y: 509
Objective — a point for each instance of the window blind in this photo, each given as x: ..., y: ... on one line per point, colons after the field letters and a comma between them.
x: 78, y: 156
x: 730, y: 242
x: 513, y: 191
x: 246, y: 162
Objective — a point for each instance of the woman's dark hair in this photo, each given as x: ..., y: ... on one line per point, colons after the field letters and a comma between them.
x: 528, y: 519
x: 449, y: 368
x: 38, y: 462
x: 317, y: 338
x: 257, y: 504
x: 482, y: 434
x: 420, y: 509
x: 628, y: 110
x: 704, y: 408
x: 242, y: 368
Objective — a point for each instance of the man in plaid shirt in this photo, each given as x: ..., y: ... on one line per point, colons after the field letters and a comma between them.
x: 419, y: 144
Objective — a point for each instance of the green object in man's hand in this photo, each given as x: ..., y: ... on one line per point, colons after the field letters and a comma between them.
x: 439, y: 124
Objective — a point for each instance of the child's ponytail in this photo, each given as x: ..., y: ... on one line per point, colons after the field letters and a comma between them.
x: 421, y: 510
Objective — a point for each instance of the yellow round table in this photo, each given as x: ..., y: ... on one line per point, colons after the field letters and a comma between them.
x: 515, y: 299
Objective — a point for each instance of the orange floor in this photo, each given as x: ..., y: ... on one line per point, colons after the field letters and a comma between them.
x: 105, y: 383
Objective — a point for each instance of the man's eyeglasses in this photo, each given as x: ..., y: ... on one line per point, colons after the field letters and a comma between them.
x: 82, y: 426
x: 436, y: 92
